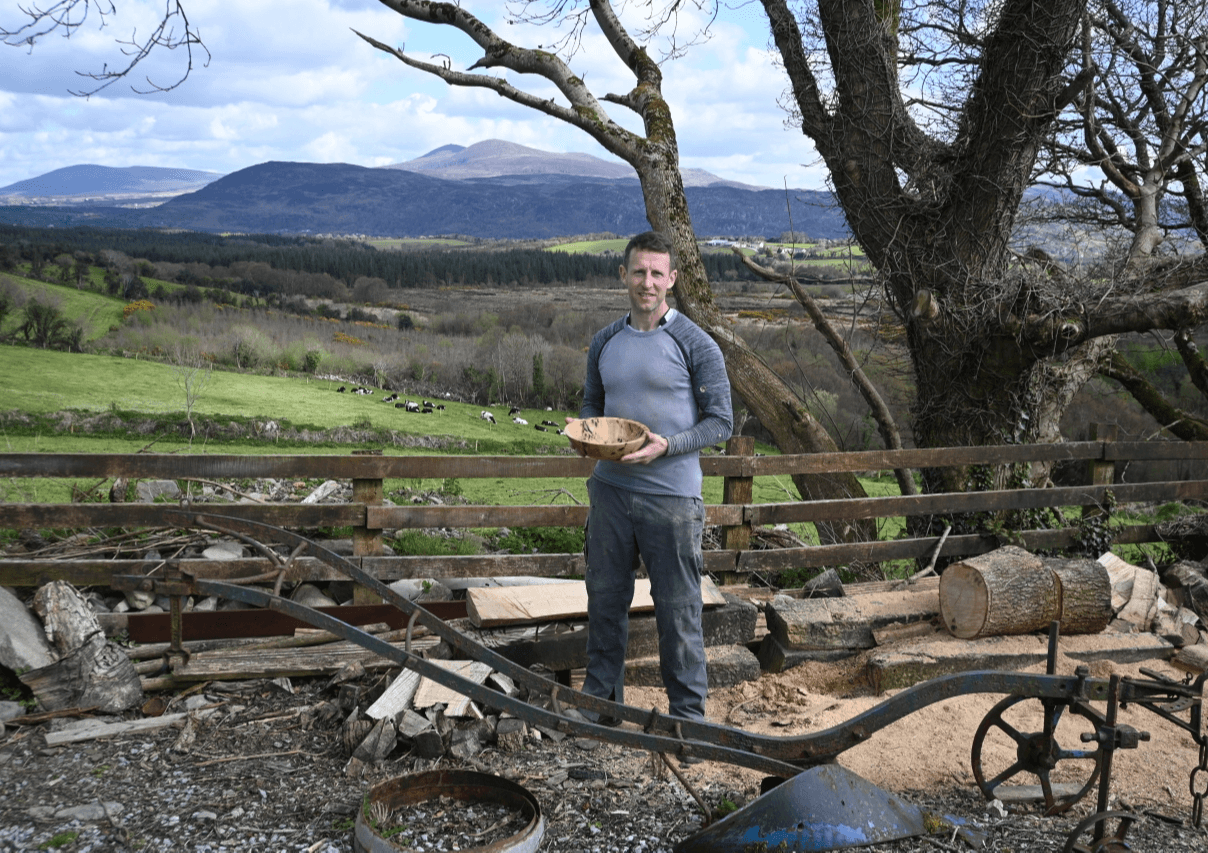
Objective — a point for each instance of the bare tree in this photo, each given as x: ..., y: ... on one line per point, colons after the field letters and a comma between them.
x: 930, y: 117
x: 191, y: 370
x: 66, y: 17
x: 654, y: 155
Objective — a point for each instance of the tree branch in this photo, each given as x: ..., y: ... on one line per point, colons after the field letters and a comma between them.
x: 1180, y: 423
x: 886, y: 424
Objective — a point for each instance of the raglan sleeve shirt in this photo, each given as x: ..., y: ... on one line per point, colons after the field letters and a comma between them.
x: 673, y: 379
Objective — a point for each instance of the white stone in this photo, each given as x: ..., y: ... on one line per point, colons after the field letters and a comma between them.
x: 23, y: 643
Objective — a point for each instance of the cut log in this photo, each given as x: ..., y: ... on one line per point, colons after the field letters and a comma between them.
x: 1086, y: 595
x: 492, y: 607
x: 1008, y: 591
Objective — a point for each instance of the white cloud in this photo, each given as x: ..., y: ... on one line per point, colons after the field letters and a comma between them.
x: 293, y: 82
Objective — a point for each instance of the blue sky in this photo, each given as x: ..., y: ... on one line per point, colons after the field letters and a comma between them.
x: 293, y: 82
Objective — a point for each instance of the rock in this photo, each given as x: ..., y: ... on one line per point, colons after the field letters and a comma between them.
x: 10, y: 711
x: 23, y: 643
x: 422, y: 589
x: 224, y: 551
x: 825, y: 585
x: 726, y: 666
x: 323, y: 491
x: 147, y: 491
x: 139, y: 600
x: 309, y: 595
x: 90, y: 812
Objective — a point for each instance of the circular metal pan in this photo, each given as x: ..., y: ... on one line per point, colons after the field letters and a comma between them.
x: 465, y: 785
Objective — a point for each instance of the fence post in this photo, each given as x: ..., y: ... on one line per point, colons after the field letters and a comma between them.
x: 366, y: 541
x: 1102, y: 472
x: 737, y: 490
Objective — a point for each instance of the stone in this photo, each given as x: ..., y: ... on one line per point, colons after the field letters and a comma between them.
x: 23, y: 643
x: 910, y: 663
x: 224, y: 551
x: 422, y: 589
x: 309, y: 595
x: 725, y: 665
x: 846, y: 623
x: 90, y: 812
x: 10, y: 711
x: 323, y: 491
x: 775, y: 656
x: 147, y: 491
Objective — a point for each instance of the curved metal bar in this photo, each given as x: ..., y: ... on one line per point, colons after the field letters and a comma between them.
x: 776, y: 755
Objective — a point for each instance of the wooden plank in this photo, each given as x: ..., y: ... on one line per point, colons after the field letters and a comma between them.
x: 340, y: 466
x: 237, y: 664
x: 835, y: 510
x: 96, y: 729
x: 430, y: 692
x: 508, y: 516
x: 491, y: 607
x: 935, y: 457
x: 818, y: 556
x: 169, y: 466
x: 152, y: 515
x: 397, y: 697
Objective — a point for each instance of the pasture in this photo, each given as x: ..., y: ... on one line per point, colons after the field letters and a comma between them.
x: 94, y: 311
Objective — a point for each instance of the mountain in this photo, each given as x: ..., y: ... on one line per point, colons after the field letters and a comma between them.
x: 344, y: 199
x: 91, y: 182
x: 495, y: 158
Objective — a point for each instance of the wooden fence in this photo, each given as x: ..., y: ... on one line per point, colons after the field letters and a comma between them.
x: 368, y: 515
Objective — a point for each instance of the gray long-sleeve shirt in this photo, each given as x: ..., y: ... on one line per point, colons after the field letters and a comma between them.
x: 673, y: 380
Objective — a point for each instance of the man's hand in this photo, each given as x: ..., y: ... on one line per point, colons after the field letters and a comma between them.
x: 654, y: 447
x: 578, y: 447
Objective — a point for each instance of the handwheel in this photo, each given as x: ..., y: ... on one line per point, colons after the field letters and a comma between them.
x: 1099, y: 824
x: 1004, y: 748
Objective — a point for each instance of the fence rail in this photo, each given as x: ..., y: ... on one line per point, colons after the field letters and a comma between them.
x: 736, y: 515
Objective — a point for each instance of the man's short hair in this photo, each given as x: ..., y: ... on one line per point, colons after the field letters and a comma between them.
x: 652, y: 241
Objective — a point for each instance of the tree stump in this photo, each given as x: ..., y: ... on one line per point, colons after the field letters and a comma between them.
x: 1008, y: 591
x: 1086, y: 595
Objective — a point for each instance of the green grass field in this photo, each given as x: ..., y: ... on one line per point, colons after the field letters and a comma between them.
x: 93, y: 310
x: 591, y: 247
x: 413, y: 243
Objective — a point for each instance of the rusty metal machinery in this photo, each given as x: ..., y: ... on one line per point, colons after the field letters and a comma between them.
x: 1057, y: 698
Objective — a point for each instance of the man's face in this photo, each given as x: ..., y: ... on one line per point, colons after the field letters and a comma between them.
x: 648, y: 277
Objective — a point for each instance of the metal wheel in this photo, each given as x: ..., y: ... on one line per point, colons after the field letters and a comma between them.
x: 1004, y: 748
x: 1102, y: 839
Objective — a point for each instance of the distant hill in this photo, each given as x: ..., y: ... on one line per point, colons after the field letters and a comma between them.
x: 91, y: 181
x: 344, y: 199
x: 494, y: 158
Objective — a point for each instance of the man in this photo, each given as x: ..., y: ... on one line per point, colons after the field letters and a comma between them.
x: 658, y: 367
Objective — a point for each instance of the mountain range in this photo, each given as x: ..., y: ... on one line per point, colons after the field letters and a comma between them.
x: 492, y: 189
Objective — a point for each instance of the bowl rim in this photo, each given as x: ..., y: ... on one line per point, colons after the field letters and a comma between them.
x: 644, y: 434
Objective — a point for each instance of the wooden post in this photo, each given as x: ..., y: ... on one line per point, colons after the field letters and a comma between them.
x: 1101, y: 472
x: 737, y: 490
x: 366, y: 542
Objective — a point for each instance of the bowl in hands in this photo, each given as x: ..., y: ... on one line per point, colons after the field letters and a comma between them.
x: 607, y: 438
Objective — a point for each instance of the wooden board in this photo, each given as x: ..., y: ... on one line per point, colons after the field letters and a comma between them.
x: 430, y: 693
x: 492, y: 607
x: 94, y: 729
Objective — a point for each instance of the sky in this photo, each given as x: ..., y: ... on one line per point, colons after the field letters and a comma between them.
x: 293, y: 82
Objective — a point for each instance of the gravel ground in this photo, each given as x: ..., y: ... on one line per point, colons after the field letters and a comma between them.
x: 267, y: 771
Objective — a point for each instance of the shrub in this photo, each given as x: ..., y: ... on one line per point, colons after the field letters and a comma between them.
x: 543, y: 540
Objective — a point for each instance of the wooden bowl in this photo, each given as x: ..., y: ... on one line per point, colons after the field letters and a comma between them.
x: 607, y: 438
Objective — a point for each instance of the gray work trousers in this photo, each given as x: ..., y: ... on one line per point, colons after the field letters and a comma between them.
x: 665, y: 532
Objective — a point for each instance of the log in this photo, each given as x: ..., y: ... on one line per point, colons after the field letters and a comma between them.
x: 1086, y: 595
x: 1007, y: 591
